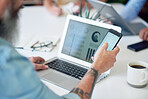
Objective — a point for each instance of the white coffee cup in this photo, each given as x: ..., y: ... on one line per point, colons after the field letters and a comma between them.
x: 137, y: 74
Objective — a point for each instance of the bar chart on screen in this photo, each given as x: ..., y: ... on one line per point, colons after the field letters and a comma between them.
x: 90, y: 53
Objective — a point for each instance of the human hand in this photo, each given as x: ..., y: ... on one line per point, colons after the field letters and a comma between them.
x: 52, y: 7
x: 36, y: 61
x: 56, y: 10
x: 144, y: 34
x: 103, y: 59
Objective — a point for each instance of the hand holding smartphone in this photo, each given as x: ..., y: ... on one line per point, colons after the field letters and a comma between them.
x: 112, y: 37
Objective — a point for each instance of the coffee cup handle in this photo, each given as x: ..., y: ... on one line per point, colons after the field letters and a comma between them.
x: 145, y: 77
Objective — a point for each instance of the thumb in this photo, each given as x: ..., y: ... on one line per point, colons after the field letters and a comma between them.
x: 104, y: 46
x: 40, y: 66
x: 116, y: 50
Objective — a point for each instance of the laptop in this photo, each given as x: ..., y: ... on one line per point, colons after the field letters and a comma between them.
x: 76, y: 49
x: 110, y: 13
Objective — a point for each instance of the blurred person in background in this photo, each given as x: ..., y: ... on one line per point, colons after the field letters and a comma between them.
x: 131, y: 9
x: 54, y: 6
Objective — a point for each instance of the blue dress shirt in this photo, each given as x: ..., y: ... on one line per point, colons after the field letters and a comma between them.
x: 18, y: 79
x: 132, y: 9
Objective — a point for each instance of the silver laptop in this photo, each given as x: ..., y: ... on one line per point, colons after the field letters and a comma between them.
x: 75, y: 52
x: 110, y: 13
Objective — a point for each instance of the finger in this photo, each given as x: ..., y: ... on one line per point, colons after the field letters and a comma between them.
x: 58, y: 13
x: 104, y: 46
x: 145, y: 36
x: 141, y: 34
x: 116, y: 50
x: 92, y: 58
x: 38, y: 60
x: 40, y: 66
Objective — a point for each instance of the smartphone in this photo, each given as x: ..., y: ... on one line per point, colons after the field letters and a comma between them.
x: 112, y: 37
x: 138, y: 46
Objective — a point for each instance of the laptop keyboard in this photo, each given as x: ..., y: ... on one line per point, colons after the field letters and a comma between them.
x: 67, y: 68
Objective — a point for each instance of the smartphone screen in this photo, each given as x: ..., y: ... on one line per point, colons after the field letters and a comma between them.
x: 138, y: 46
x: 112, y: 38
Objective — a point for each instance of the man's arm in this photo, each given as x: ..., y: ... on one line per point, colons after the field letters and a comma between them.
x: 132, y: 9
x: 103, y: 61
x: 85, y: 88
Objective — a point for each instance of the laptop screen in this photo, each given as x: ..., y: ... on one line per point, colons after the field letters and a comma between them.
x: 82, y: 40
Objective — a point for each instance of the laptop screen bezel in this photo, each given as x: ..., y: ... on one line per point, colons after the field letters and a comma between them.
x: 83, y: 20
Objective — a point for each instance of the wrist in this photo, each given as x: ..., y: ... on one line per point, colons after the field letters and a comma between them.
x: 96, y: 67
x: 93, y: 71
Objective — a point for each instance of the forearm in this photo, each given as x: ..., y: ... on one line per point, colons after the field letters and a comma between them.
x: 85, y: 88
x: 103, y: 61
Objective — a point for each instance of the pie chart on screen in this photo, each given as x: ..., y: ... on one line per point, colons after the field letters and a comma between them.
x: 95, y: 36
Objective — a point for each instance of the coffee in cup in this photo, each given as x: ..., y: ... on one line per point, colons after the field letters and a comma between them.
x: 137, y: 74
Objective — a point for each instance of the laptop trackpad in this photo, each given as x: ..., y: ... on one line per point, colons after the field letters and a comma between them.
x: 61, y: 79
x: 56, y: 77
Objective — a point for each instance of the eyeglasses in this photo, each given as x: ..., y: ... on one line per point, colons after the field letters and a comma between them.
x: 42, y: 46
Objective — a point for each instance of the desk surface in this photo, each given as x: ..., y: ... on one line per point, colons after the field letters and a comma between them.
x: 38, y: 21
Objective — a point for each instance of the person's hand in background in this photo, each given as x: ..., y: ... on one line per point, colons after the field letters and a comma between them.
x: 144, y: 34
x: 53, y: 8
x: 56, y: 10
x: 37, y: 62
